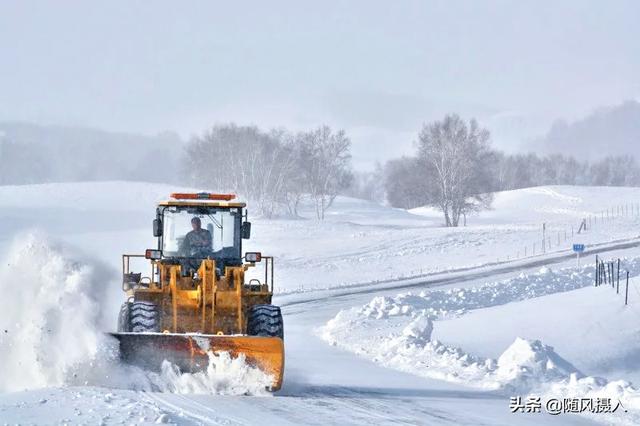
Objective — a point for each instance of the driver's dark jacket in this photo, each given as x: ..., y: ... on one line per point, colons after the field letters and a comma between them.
x: 198, y: 239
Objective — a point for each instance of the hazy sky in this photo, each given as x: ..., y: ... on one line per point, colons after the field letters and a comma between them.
x: 377, y: 69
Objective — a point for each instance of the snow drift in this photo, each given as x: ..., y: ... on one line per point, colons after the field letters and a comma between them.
x: 397, y: 332
x: 51, y: 330
x: 449, y: 303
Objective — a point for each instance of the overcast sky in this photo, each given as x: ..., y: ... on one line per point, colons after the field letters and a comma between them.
x: 377, y: 69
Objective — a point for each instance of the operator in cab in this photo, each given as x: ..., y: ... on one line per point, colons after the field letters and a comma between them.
x: 197, y: 240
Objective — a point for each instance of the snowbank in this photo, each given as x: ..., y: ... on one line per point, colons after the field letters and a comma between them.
x: 527, y: 365
x: 454, y: 302
x: 397, y: 332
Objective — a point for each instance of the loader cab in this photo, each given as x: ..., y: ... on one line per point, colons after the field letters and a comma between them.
x: 222, y: 226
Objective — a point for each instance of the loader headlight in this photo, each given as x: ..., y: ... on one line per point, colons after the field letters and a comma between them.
x: 253, y: 257
x: 153, y: 254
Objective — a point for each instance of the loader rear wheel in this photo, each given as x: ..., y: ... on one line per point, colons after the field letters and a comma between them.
x: 143, y: 317
x: 265, y: 320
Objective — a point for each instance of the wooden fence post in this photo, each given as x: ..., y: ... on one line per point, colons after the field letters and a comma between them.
x: 626, y: 291
x: 613, y: 280
x: 599, y: 275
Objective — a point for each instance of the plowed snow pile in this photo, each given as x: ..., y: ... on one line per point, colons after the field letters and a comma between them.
x: 224, y: 376
x: 396, y: 332
x: 51, y: 331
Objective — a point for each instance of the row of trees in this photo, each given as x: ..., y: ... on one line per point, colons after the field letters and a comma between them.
x: 273, y: 169
x: 455, y: 170
x: 522, y: 171
x: 35, y: 154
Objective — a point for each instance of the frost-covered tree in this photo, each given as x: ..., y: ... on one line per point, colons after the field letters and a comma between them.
x: 406, y: 183
x: 368, y: 185
x: 275, y: 169
x: 241, y: 159
x: 527, y: 170
x: 615, y: 171
x: 325, y: 162
x: 454, y: 155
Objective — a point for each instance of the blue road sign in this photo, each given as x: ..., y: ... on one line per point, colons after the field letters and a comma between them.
x: 578, y: 248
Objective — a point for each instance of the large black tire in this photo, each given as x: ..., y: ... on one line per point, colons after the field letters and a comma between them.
x: 139, y: 317
x: 123, y: 318
x: 265, y: 320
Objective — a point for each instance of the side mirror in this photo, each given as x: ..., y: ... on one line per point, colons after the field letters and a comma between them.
x: 157, y: 227
x: 253, y: 257
x: 153, y: 254
x: 246, y: 230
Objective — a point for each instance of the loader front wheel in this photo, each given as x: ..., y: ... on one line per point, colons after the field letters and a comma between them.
x: 265, y: 320
x: 143, y: 317
x: 124, y: 326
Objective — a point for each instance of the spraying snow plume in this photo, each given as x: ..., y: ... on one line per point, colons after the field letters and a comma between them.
x: 48, y: 314
x: 224, y: 376
x: 51, y: 331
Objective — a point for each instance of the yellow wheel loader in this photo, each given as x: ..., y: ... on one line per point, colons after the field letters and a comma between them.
x: 194, y: 299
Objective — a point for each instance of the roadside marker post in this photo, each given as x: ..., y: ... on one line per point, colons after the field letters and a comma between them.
x: 578, y: 248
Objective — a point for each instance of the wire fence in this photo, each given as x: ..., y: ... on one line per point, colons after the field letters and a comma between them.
x: 555, y: 235
x: 608, y: 273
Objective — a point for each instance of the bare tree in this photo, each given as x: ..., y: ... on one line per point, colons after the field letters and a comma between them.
x: 615, y: 171
x: 326, y: 164
x: 406, y: 183
x: 241, y: 159
x: 368, y: 185
x: 454, y: 154
x: 275, y: 169
x: 295, y: 185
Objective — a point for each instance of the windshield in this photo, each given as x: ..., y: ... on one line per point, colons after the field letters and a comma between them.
x: 201, y: 232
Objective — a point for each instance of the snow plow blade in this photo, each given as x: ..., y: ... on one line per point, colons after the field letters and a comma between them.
x: 189, y: 351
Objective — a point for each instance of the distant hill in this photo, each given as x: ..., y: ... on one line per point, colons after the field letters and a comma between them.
x: 607, y: 131
x: 32, y: 153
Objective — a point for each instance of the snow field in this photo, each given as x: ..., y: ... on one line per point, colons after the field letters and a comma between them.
x: 360, y: 242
